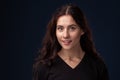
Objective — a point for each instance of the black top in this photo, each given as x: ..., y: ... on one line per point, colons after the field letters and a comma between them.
x: 88, y: 69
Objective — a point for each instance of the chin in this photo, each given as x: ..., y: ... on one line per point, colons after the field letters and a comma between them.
x: 67, y: 48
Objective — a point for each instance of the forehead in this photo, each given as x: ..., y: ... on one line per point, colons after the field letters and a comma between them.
x: 65, y: 20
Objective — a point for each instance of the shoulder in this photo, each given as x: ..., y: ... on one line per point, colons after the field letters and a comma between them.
x: 99, y: 65
x: 95, y: 60
x: 40, y: 71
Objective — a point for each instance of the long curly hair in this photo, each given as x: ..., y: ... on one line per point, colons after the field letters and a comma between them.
x: 50, y: 45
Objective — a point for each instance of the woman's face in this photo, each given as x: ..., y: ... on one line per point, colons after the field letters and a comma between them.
x: 68, y: 33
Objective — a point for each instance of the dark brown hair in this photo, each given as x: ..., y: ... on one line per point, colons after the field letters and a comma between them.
x: 50, y: 45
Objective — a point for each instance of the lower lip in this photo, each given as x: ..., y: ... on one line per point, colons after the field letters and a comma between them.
x: 68, y: 43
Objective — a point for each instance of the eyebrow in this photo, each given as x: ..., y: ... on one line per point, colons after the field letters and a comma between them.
x: 68, y: 25
x: 72, y: 25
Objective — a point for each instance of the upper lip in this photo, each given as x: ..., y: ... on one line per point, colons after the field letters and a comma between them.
x: 66, y: 41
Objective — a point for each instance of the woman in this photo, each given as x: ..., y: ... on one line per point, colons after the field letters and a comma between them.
x: 68, y: 51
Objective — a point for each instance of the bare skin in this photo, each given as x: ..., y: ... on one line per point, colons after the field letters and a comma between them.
x: 68, y: 34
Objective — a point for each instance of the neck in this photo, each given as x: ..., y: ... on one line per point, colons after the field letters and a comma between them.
x: 71, y: 53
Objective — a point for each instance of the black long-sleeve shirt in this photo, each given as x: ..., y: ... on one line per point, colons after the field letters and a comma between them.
x: 88, y: 69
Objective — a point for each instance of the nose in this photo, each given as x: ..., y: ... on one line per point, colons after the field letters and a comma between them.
x: 66, y: 34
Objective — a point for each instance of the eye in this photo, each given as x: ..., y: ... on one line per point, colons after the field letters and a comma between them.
x: 72, y: 28
x: 60, y: 28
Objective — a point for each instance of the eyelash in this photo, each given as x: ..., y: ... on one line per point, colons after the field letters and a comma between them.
x: 72, y: 28
x: 60, y: 28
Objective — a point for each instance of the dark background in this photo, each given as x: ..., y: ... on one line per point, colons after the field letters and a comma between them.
x: 24, y: 28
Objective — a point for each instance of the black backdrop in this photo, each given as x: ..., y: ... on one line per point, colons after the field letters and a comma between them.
x: 24, y: 28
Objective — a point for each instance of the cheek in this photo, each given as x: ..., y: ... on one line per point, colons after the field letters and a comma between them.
x: 76, y: 36
x: 58, y: 35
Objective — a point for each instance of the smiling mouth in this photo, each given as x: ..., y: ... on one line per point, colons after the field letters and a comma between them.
x: 66, y: 42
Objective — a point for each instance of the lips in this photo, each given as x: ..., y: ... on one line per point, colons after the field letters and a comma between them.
x: 66, y: 42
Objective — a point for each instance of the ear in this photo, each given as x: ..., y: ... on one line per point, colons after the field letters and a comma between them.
x: 82, y: 32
